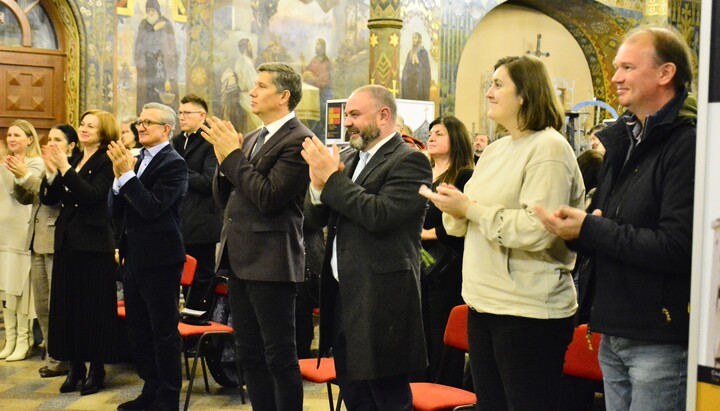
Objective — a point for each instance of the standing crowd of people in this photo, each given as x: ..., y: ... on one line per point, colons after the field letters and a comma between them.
x: 504, y: 227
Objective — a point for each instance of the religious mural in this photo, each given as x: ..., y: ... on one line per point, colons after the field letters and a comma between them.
x: 326, y: 41
x: 165, y: 48
x: 152, y: 38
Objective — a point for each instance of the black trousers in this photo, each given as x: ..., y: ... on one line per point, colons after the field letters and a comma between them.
x: 264, y: 322
x: 517, y: 362
x: 151, y: 308
x: 204, y: 273
x: 381, y: 394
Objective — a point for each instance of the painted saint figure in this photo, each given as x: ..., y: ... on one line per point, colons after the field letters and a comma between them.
x: 416, y: 72
x: 156, y: 58
x: 319, y: 74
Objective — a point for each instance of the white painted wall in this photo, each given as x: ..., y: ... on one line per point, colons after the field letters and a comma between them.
x: 509, y: 30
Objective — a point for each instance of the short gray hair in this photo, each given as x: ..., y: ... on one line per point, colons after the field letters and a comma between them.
x: 128, y: 119
x: 167, y: 114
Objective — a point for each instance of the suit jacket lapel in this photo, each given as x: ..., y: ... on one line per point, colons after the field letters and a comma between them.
x: 275, y: 138
x: 249, y: 142
x: 157, y: 159
x: 379, y: 157
x: 193, y: 143
x: 90, y: 165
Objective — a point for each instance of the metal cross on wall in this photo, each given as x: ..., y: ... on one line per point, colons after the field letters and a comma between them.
x: 538, y: 52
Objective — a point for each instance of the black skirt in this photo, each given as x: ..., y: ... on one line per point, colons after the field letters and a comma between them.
x: 83, y: 307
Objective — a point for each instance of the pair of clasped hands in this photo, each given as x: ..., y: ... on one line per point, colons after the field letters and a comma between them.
x: 565, y: 222
x: 55, y: 159
x: 14, y: 164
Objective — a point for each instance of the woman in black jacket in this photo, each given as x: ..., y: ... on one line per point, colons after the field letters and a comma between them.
x: 451, y: 155
x: 83, y: 307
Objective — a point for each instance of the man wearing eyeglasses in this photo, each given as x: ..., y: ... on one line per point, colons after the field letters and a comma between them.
x: 146, y: 196
x: 201, y: 218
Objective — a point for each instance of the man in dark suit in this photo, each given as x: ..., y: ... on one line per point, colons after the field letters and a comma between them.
x: 370, y: 286
x: 146, y: 196
x: 201, y: 218
x: 262, y: 180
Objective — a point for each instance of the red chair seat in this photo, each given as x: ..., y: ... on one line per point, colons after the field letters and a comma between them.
x: 187, y: 330
x: 581, y: 357
x: 432, y: 397
x: 325, y: 373
x: 310, y: 371
x: 121, y: 312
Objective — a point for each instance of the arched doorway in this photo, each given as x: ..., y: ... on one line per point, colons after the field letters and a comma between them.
x: 35, y: 84
x: 490, y: 41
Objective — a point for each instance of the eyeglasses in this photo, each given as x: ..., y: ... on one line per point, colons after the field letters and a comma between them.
x: 148, y: 123
x: 187, y: 113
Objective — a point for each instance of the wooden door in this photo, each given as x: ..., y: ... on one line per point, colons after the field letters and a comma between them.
x: 32, y: 65
x: 32, y: 88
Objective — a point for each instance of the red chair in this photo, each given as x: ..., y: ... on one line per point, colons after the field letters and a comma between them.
x: 432, y: 397
x: 581, y: 357
x: 187, y: 278
x: 206, y: 333
x: 325, y: 373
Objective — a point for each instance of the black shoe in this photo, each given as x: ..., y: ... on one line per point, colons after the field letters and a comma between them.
x: 95, y: 380
x: 140, y: 403
x: 75, y: 376
x: 46, y: 372
x: 163, y: 406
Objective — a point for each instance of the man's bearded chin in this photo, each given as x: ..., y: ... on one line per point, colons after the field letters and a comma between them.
x: 367, y: 136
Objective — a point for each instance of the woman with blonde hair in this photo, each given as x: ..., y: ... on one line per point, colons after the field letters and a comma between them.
x: 83, y: 308
x: 22, y: 152
x: 517, y: 276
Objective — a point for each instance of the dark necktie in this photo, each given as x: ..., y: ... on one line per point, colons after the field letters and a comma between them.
x: 260, y: 141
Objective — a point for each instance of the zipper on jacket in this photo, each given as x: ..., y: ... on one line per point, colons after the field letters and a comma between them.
x: 666, y: 312
x: 588, y: 337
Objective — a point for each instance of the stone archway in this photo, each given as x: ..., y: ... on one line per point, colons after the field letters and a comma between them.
x: 597, y: 28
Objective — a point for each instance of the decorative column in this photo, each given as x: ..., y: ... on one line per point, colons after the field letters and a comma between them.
x: 200, y: 49
x: 385, y: 25
x: 656, y: 12
x: 684, y: 15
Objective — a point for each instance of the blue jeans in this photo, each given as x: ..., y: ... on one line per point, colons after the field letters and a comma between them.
x: 643, y: 375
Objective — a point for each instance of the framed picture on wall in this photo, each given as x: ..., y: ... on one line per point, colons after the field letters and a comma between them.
x: 125, y: 7
x: 179, y: 10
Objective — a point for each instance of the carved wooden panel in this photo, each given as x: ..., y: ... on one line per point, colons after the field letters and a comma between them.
x: 32, y: 87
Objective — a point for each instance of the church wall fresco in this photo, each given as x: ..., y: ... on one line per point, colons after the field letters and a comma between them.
x: 207, y: 32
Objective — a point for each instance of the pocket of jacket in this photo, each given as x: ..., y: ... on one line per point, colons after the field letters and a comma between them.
x: 391, y: 265
x: 264, y: 226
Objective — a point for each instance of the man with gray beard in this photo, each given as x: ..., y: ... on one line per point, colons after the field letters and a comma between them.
x: 370, y: 284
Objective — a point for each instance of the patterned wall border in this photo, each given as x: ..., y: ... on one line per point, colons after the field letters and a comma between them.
x: 200, y: 49
x: 74, y: 38
x: 97, y: 36
x: 598, y: 29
